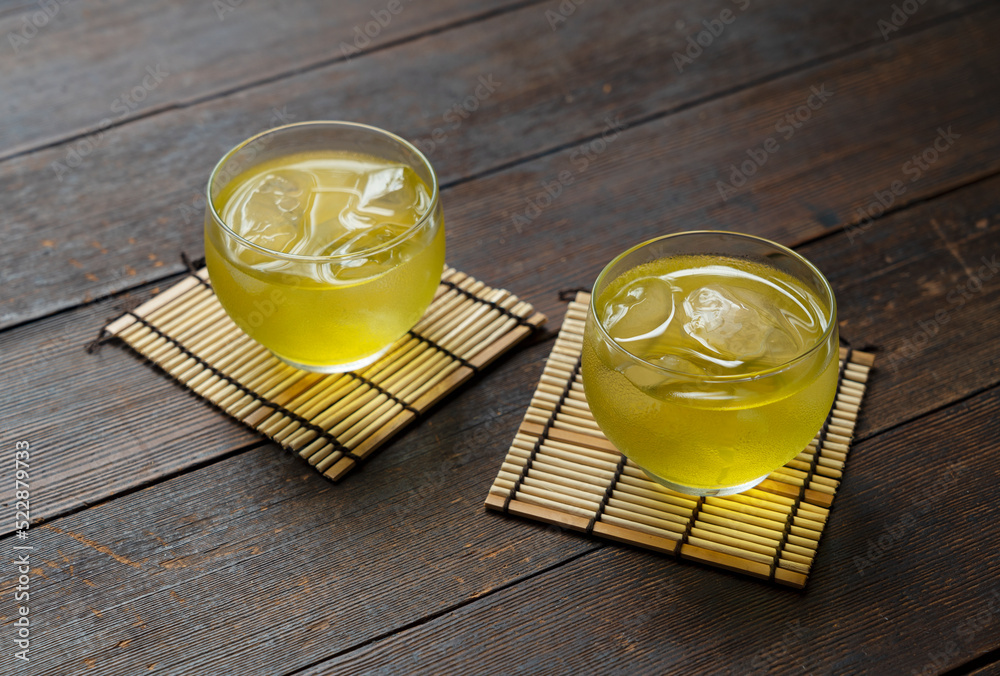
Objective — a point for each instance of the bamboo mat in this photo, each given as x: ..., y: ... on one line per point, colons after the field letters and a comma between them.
x: 561, y: 470
x: 332, y: 421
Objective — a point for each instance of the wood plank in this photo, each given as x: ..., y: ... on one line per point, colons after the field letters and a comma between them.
x: 272, y: 567
x: 121, y: 217
x: 662, y: 177
x: 94, y: 429
x: 220, y: 550
x: 85, y: 64
x: 932, y: 319
x: 990, y: 667
x: 912, y: 520
x: 65, y: 67
x: 896, y: 275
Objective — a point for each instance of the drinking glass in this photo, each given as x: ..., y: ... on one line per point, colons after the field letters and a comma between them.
x: 714, y: 425
x: 325, y: 293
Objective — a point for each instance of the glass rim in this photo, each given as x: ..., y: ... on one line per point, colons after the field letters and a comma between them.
x: 312, y: 258
x: 723, y: 378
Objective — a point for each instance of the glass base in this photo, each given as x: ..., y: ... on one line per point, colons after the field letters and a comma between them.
x: 337, y: 368
x: 706, y: 492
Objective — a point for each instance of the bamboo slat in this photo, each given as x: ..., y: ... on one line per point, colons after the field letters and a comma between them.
x: 577, y: 480
x: 326, y: 419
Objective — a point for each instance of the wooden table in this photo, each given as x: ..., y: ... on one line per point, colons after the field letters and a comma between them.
x: 169, y: 539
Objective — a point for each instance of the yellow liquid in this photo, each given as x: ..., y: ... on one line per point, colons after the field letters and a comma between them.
x: 360, y: 209
x: 699, y: 323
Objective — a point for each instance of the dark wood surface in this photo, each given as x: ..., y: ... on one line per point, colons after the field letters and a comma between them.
x: 102, y: 228
x: 169, y: 539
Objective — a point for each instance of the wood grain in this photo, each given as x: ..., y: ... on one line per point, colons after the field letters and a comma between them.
x: 894, y: 276
x: 86, y: 64
x: 618, y: 610
x: 324, y: 569
x: 121, y: 216
x: 117, y: 423
x: 986, y: 667
x: 662, y: 177
x: 67, y: 69
x: 275, y: 567
x: 930, y: 317
x: 185, y: 545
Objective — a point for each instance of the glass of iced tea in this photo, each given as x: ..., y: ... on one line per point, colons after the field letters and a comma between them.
x: 324, y: 241
x: 710, y: 359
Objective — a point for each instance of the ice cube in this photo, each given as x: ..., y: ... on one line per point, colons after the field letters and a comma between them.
x: 666, y: 376
x: 392, y: 192
x: 265, y: 223
x: 736, y: 325
x: 287, y: 203
x: 640, y: 311
x: 381, y: 184
x: 651, y: 377
x: 350, y: 219
x: 364, y: 240
x: 358, y: 254
x: 642, y: 376
x: 282, y: 183
x: 677, y: 364
x: 353, y: 269
x: 270, y: 214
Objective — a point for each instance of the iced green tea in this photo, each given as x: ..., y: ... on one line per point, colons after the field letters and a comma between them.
x: 709, y: 371
x: 336, y: 254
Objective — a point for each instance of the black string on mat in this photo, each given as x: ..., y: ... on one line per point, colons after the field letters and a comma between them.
x: 256, y: 397
x: 521, y: 321
x: 567, y: 295
x: 448, y: 353
x: 382, y: 390
x: 542, y: 436
x: 825, y: 428
x: 102, y: 337
x: 193, y: 268
x: 691, y: 522
x: 784, y: 538
x: 864, y: 347
x: 607, y: 495
x: 813, y: 464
